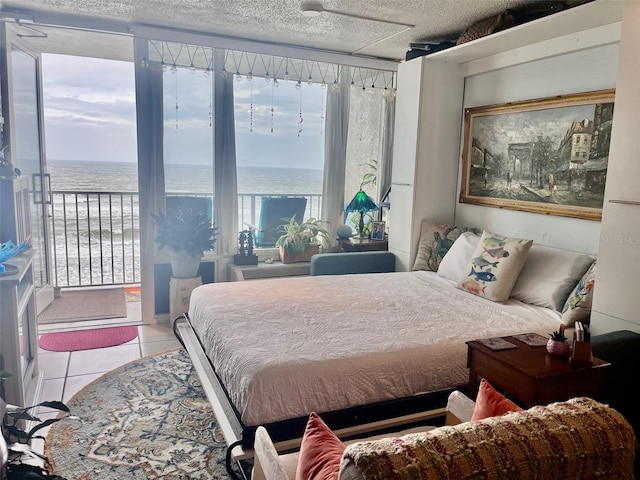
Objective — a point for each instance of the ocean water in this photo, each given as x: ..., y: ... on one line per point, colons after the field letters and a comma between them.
x: 95, y: 236
x: 123, y: 177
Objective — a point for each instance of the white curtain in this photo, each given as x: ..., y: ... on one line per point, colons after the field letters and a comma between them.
x: 226, y: 182
x: 386, y: 153
x: 149, y: 119
x: 335, y: 152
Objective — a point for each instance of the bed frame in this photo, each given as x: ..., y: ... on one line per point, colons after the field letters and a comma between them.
x: 286, y: 434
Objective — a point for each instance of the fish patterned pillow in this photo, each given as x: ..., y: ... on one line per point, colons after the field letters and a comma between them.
x: 577, y: 308
x: 495, y: 266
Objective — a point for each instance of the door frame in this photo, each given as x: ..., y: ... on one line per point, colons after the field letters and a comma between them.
x: 11, y: 40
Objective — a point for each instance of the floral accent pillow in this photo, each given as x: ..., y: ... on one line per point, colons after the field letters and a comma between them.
x: 577, y: 308
x: 435, y: 241
x: 495, y: 266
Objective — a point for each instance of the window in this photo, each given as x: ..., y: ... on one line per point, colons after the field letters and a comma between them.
x: 279, y: 143
x: 188, y: 139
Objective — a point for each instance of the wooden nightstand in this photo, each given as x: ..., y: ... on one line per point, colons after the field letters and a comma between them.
x: 531, y: 375
x: 355, y: 244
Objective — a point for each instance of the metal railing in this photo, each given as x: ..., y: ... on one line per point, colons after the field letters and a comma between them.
x: 95, y: 238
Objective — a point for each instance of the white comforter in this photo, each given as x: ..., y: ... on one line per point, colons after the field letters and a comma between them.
x: 289, y: 346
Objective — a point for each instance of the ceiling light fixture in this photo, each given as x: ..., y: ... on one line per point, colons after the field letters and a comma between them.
x: 313, y: 8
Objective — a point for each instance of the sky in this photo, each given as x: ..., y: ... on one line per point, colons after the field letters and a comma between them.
x: 89, y: 107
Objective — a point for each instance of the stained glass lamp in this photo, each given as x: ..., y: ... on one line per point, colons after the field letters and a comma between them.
x: 362, y: 204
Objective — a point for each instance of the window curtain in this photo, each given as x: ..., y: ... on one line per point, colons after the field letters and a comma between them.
x: 149, y: 119
x: 335, y: 152
x: 226, y: 181
x: 386, y: 150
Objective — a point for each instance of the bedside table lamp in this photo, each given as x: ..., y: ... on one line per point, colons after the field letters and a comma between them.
x: 362, y: 204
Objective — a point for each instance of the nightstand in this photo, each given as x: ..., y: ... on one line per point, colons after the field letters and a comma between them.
x: 355, y: 244
x: 532, y: 375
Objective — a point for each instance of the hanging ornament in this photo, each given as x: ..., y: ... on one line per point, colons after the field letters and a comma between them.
x: 300, y: 120
x: 251, y: 110
x: 321, y: 114
x: 211, y: 103
x: 176, y: 72
x: 272, y: 87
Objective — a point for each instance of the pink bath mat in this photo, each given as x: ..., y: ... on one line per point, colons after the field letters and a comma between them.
x: 87, y: 339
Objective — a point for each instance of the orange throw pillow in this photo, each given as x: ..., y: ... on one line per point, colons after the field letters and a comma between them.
x: 320, y: 452
x: 491, y: 403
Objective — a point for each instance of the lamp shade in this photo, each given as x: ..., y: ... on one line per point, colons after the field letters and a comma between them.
x: 361, y: 203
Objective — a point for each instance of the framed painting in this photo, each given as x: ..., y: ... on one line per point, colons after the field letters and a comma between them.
x: 546, y: 156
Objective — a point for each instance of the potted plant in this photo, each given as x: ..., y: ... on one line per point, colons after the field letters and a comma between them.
x: 557, y: 344
x: 186, y: 235
x: 15, y: 442
x: 301, y: 240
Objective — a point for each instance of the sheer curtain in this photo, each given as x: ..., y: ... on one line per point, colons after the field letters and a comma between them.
x: 149, y: 118
x: 225, y: 183
x: 335, y: 152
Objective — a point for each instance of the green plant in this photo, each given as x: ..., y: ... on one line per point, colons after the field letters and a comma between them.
x: 370, y: 178
x: 298, y: 236
x: 186, y: 231
x: 354, y: 221
x: 18, y: 440
x: 558, y: 336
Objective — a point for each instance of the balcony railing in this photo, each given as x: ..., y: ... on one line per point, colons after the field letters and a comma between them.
x: 95, y: 237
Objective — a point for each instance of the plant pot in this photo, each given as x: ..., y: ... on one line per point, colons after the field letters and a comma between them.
x: 305, y: 256
x: 184, y: 265
x: 559, y: 349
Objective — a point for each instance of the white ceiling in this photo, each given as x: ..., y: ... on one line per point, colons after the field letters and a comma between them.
x: 278, y: 22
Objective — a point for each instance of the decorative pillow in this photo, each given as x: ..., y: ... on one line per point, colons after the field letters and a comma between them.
x: 577, y: 308
x: 435, y: 241
x: 491, y: 403
x: 454, y: 264
x: 495, y: 265
x: 320, y: 452
x: 548, y: 275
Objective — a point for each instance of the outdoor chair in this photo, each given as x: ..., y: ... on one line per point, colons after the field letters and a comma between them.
x: 272, y: 212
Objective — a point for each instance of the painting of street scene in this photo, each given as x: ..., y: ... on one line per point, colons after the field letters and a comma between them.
x: 546, y: 156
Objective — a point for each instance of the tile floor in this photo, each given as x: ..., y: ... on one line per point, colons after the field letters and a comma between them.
x: 66, y: 373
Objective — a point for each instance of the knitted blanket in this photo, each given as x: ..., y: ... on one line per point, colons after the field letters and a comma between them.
x: 579, y: 439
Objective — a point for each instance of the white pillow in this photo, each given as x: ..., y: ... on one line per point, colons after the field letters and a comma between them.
x: 548, y: 276
x: 454, y: 264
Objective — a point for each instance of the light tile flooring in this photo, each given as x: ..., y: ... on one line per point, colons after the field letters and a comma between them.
x: 66, y: 373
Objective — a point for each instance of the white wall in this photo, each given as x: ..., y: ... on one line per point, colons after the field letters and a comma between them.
x: 582, y: 71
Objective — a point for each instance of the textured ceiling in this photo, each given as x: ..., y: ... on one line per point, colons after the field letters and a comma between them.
x: 277, y: 21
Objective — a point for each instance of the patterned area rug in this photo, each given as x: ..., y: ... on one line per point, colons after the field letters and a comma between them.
x: 149, y: 419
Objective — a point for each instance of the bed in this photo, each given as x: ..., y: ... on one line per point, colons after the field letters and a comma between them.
x: 366, y: 351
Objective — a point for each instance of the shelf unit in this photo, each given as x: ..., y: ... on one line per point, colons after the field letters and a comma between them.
x: 18, y: 332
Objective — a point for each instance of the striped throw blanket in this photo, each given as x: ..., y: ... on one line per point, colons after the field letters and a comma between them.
x: 579, y: 439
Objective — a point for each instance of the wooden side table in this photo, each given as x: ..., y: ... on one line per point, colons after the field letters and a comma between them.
x: 355, y: 244
x: 531, y: 375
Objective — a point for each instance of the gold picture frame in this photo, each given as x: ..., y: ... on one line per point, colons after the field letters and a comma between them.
x: 546, y: 156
